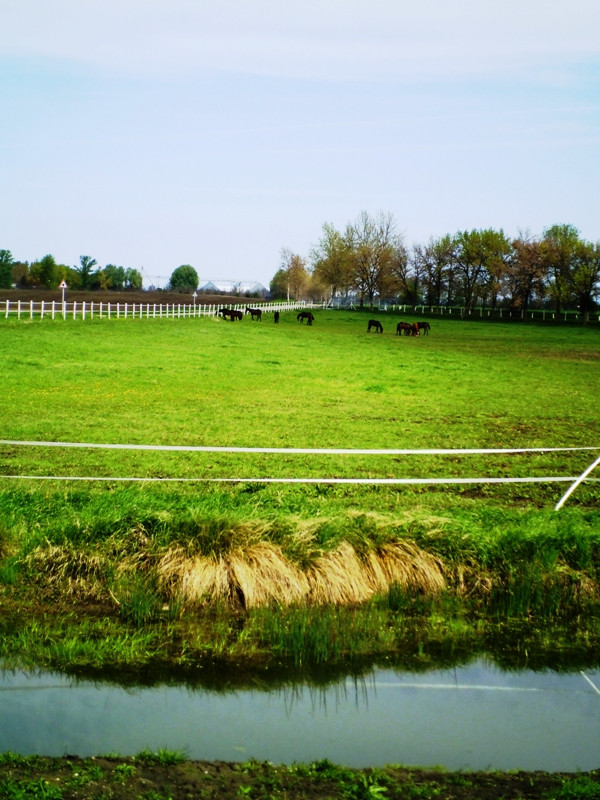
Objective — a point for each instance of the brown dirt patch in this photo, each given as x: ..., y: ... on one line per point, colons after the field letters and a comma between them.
x: 144, y: 779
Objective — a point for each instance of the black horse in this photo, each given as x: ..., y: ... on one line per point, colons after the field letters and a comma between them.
x: 305, y: 315
x: 403, y: 327
x: 374, y: 323
x: 255, y: 313
x: 425, y: 327
x: 276, y: 317
x: 231, y: 313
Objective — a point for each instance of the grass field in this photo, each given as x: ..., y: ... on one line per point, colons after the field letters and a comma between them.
x: 140, y: 548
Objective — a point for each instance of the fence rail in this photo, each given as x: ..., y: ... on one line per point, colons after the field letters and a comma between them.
x: 573, y: 480
x: 52, y: 309
x: 479, y: 312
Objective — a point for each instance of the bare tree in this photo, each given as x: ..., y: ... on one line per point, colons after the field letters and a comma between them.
x: 433, y: 262
x: 373, y: 242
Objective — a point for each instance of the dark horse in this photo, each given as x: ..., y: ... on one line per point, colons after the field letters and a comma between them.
x: 231, y: 313
x: 305, y: 315
x: 374, y: 323
x: 276, y: 317
x: 255, y: 313
x: 403, y: 326
x: 425, y: 327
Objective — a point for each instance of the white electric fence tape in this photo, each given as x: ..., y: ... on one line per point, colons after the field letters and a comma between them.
x: 574, y: 480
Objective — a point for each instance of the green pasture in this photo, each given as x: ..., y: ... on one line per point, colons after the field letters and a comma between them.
x: 505, y: 552
x: 210, y: 382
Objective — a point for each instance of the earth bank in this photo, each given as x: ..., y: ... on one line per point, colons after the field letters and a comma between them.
x: 164, y: 775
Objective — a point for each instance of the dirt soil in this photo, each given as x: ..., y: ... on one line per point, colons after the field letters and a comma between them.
x: 151, y: 777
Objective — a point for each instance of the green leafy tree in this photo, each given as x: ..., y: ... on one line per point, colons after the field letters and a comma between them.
x: 332, y: 261
x: 133, y: 279
x: 86, y: 271
x: 585, y: 277
x: 114, y: 277
x: 20, y: 273
x: 278, y: 287
x: 560, y: 247
x: 479, y: 257
x: 184, y: 279
x: 6, y: 265
x: 297, y: 276
x: 45, y: 272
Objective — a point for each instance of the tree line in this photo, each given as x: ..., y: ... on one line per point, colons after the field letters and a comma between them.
x: 48, y: 274
x: 369, y: 259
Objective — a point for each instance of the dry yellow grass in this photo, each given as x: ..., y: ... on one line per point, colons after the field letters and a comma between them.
x: 260, y: 574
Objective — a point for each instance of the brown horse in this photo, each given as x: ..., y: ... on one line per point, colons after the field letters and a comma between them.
x: 403, y: 327
x: 415, y: 329
x: 425, y: 327
x: 255, y: 313
x: 374, y: 323
x: 305, y: 315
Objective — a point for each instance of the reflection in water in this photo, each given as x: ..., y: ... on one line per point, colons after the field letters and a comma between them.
x: 469, y: 717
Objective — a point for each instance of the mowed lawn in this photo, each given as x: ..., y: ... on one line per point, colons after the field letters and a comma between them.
x: 206, y: 381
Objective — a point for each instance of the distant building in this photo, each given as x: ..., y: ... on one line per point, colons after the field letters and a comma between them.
x: 250, y: 288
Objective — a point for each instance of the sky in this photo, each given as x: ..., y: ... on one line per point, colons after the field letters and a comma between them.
x: 154, y: 133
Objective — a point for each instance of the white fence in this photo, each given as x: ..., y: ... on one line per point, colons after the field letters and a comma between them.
x: 52, y: 309
x: 460, y: 312
x: 573, y: 480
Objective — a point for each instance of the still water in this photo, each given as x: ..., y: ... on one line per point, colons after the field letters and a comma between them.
x: 472, y: 717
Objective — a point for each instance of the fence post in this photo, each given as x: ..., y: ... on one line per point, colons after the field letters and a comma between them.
x: 83, y: 310
x: 53, y: 308
x: 42, y: 310
x: 18, y: 309
x: 74, y: 309
x: 31, y: 309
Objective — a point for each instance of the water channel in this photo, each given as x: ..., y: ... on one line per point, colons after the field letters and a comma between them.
x: 470, y: 717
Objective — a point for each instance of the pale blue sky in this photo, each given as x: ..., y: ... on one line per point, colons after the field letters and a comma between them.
x: 151, y: 133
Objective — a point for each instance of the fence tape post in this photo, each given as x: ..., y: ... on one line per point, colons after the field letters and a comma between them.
x: 574, y: 485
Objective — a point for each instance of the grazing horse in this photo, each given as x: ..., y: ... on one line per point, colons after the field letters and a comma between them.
x: 374, y: 323
x: 425, y: 327
x: 305, y: 315
x: 255, y: 313
x: 276, y: 317
x: 231, y: 313
x: 415, y: 329
x: 403, y: 326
